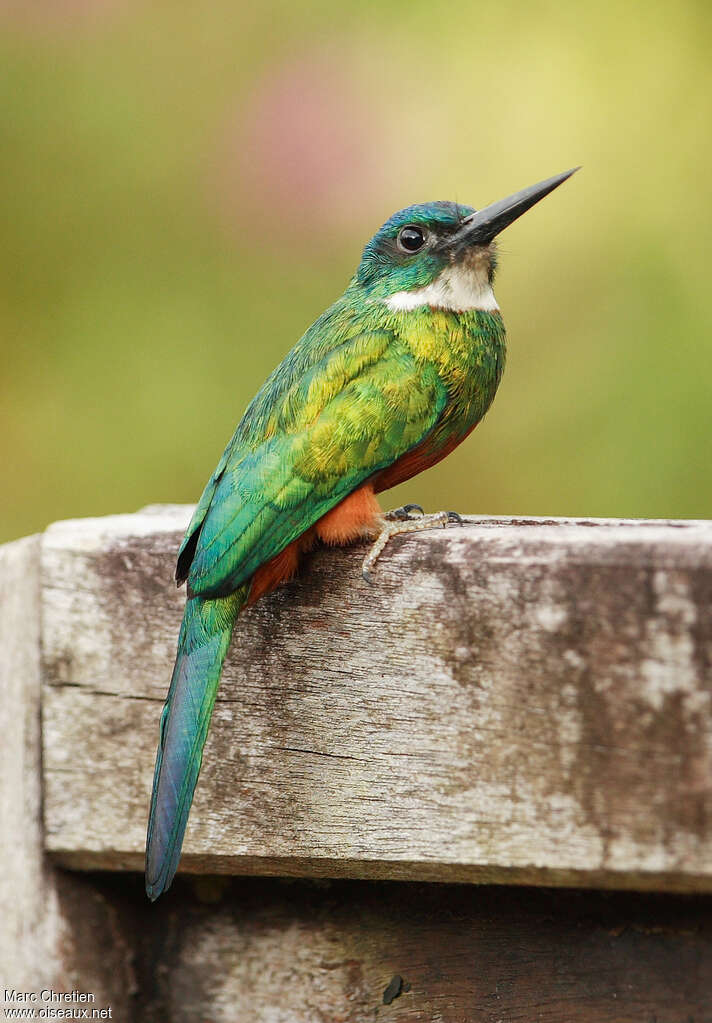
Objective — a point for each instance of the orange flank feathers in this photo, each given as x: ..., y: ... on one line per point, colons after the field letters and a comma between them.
x: 418, y: 459
x: 278, y: 569
x: 355, y: 518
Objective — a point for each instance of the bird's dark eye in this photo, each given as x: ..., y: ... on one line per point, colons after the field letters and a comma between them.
x: 411, y: 238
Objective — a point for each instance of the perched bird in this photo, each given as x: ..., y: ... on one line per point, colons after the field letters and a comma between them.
x: 383, y: 385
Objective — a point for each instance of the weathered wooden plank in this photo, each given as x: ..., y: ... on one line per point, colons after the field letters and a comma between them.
x: 514, y: 700
x: 55, y: 932
x: 264, y: 950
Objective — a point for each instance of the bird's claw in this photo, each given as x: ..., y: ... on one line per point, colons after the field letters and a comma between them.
x: 454, y: 517
x: 404, y: 513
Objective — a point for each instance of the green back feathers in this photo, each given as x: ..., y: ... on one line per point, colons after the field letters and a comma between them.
x: 330, y: 417
x: 307, y: 441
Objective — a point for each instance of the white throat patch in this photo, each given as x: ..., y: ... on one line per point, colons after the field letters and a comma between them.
x: 458, y: 288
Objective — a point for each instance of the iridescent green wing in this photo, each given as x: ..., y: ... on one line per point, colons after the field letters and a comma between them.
x: 313, y: 434
x: 335, y: 348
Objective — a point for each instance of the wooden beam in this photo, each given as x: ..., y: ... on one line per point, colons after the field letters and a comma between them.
x: 56, y: 932
x: 512, y: 701
x: 265, y: 950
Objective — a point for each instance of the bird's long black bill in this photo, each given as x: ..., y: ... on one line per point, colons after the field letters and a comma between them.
x: 484, y: 225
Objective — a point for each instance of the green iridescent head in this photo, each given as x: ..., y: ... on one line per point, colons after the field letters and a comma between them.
x: 412, y: 248
x: 443, y: 244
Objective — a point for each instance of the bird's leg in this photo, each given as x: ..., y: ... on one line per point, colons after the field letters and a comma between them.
x: 402, y: 521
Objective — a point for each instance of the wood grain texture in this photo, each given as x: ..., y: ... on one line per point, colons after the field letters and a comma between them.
x: 513, y: 701
x: 55, y: 931
x: 272, y: 951
x: 21, y: 873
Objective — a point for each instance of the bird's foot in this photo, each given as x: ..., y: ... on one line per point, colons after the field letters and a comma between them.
x: 401, y: 520
x: 405, y: 513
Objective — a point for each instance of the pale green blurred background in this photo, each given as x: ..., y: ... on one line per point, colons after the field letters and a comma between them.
x: 185, y: 186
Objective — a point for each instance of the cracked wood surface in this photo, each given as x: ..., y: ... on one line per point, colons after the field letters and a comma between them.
x: 513, y: 701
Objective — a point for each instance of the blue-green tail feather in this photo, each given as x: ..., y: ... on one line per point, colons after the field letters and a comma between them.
x: 202, y: 645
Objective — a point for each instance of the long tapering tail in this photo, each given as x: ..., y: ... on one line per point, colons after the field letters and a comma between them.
x: 202, y: 645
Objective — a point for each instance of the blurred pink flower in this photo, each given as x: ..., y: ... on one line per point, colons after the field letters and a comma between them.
x: 302, y: 152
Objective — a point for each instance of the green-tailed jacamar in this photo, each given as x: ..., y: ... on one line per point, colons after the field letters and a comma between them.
x: 383, y: 385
